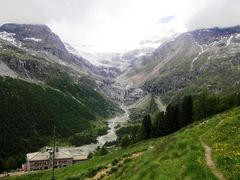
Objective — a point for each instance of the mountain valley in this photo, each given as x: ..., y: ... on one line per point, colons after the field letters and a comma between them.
x: 185, y: 92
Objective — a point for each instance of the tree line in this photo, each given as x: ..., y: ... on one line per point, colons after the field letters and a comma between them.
x: 180, y: 114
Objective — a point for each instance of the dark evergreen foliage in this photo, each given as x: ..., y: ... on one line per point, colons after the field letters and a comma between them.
x: 185, y: 116
x: 171, y: 119
x: 147, y: 127
x: 101, y: 151
x: 183, y: 113
x: 159, y: 125
x: 125, y: 141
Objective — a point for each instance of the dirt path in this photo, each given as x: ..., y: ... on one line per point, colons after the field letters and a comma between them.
x: 101, y: 173
x: 13, y: 174
x: 210, y: 162
x: 105, y: 171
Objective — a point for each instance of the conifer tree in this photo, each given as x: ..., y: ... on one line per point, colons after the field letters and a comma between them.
x: 146, y: 127
x: 186, y: 111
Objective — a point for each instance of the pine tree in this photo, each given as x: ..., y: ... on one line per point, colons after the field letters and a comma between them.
x: 207, y: 105
x: 186, y: 111
x: 171, y: 119
x: 158, y: 126
x: 237, y: 99
x: 134, y: 136
x: 146, y: 127
x: 103, y: 151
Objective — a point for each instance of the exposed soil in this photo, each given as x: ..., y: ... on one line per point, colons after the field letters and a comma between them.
x: 106, y: 171
x: 210, y: 162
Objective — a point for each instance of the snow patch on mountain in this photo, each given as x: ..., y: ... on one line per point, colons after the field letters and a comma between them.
x: 32, y: 39
x: 213, y: 44
x: 9, y: 37
x: 199, y: 54
x: 140, y: 54
x: 70, y: 49
x: 229, y: 40
x: 237, y: 36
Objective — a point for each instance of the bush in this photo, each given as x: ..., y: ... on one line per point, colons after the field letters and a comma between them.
x: 110, y: 143
x: 115, y: 161
x: 127, y: 160
x: 90, y: 155
x: 125, y: 141
x: 101, y: 151
x: 93, y: 171
x: 113, y: 170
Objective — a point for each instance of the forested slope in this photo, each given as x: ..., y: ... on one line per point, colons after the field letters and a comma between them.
x: 28, y: 112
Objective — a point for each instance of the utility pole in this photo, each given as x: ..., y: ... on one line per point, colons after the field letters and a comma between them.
x: 53, y: 159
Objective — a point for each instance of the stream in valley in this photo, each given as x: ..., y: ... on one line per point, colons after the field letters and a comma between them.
x: 113, y: 124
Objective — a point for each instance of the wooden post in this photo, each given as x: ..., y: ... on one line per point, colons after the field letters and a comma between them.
x: 53, y: 159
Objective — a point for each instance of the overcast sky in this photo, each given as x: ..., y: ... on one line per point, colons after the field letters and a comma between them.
x: 118, y: 25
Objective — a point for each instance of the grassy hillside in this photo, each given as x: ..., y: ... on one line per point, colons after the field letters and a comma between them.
x: 28, y: 111
x: 177, y: 156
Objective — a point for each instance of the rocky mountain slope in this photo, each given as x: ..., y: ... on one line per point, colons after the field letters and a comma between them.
x: 205, y: 59
x: 35, y: 54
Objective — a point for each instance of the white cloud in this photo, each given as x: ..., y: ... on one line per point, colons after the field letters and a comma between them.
x: 117, y: 25
x: 215, y: 13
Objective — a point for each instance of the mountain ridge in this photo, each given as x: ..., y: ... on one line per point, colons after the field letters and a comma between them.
x: 186, y: 60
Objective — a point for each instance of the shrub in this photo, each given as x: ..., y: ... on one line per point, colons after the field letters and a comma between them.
x: 125, y: 141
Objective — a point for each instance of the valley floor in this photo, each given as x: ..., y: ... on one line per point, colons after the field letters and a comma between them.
x: 208, y: 149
